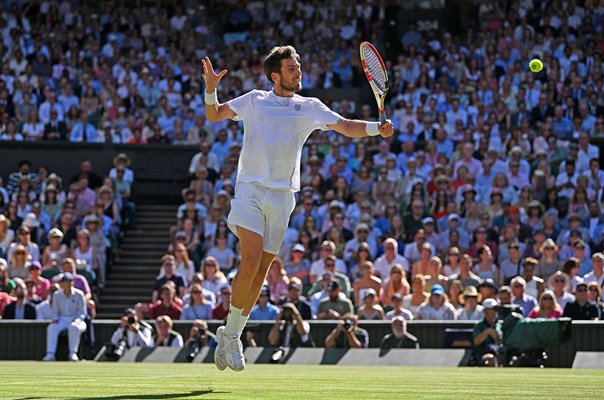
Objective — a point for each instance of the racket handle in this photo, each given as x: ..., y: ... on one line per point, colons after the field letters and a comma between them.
x: 382, y: 117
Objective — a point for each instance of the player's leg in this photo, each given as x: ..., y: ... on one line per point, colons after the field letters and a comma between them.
x: 258, y: 281
x: 251, y: 257
x: 229, y: 351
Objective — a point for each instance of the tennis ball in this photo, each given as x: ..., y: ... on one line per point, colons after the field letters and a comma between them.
x: 536, y: 65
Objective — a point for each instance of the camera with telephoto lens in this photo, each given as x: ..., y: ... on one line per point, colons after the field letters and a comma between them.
x: 347, y: 324
x: 197, y: 345
x: 288, y: 312
x: 131, y: 320
x: 115, y: 352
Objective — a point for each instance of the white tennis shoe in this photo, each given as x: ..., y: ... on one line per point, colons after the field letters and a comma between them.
x: 219, y: 354
x: 233, y: 350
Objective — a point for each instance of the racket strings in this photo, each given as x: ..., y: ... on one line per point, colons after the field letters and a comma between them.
x: 374, y: 66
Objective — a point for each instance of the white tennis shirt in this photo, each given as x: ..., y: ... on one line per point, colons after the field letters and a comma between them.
x: 275, y: 129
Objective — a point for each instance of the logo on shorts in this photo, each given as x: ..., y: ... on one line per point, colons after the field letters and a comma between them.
x: 298, y: 107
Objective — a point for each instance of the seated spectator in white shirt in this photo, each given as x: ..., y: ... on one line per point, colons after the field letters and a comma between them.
x: 389, y: 258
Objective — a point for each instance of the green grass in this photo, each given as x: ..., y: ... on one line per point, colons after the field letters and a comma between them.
x: 86, y: 380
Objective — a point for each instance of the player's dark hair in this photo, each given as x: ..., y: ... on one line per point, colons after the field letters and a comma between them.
x: 272, y: 63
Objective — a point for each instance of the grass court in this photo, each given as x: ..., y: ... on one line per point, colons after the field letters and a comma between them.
x: 87, y: 380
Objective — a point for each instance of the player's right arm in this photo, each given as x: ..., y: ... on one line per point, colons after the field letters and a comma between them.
x: 215, y: 111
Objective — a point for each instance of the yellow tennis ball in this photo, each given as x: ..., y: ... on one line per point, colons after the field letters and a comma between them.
x: 536, y: 65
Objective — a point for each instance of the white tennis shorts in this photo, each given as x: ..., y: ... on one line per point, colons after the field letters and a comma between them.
x: 262, y: 210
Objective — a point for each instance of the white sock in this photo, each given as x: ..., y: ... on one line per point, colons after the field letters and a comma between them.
x: 235, y: 321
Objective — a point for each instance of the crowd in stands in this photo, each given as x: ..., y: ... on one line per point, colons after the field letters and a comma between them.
x: 49, y: 226
x: 491, y: 187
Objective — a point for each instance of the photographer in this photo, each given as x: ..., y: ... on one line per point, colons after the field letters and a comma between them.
x: 290, y: 329
x: 199, y: 337
x: 347, y: 335
x: 130, y: 333
x: 487, y: 334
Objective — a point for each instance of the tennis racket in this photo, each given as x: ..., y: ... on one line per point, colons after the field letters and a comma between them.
x: 376, y: 74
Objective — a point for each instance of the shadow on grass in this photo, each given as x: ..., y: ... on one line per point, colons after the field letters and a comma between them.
x: 192, y: 394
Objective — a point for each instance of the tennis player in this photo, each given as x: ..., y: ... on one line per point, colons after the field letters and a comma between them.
x: 276, y: 125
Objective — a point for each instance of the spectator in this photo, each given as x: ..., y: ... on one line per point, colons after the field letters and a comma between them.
x: 472, y: 310
x: 466, y: 276
x: 184, y: 266
x: 44, y: 309
x: 559, y: 283
x: 290, y: 329
x: 69, y: 312
x: 347, y: 335
x: 18, y: 266
x: 398, y: 310
x: 165, y: 336
x: 55, y: 251
x: 168, y: 264
x: 547, y: 308
x: 224, y: 255
x: 214, y: 279
x: 597, y: 275
x: 534, y: 284
x: 277, y: 281
x: 581, y: 308
x: 594, y: 294
x: 299, y: 266
x: 418, y: 296
x: 549, y: 262
x: 264, y: 310
x: 133, y: 332
x: 330, y: 268
x: 41, y: 284
x: 369, y: 310
x: 334, y: 306
x: 24, y: 239
x: 19, y: 309
x: 366, y: 281
x: 437, y: 307
x: 384, y: 263
x: 399, y: 338
x: 224, y: 301
x: 317, y: 268
x: 526, y: 302
x: 199, y: 336
x: 166, y: 305
x: 83, y: 131
x: 198, y: 307
x: 487, y: 334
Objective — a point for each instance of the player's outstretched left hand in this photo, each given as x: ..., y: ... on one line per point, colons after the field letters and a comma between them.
x: 386, y: 129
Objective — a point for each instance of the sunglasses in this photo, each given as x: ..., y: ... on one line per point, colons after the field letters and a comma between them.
x: 592, y: 289
x: 330, y: 265
x: 196, y: 291
x: 583, y: 290
x: 548, y: 299
x: 559, y: 281
x: 225, y: 293
x: 211, y: 265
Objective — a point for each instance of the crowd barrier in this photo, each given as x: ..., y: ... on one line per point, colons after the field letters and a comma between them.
x: 304, y: 356
x: 26, y: 340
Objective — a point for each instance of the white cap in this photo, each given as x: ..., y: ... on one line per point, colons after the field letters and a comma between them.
x: 452, y: 217
x: 299, y: 247
x: 489, y: 304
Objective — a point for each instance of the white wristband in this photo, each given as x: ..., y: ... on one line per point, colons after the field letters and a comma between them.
x: 371, y: 128
x: 211, y: 98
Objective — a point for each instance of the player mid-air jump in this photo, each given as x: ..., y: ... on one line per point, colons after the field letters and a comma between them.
x: 276, y: 125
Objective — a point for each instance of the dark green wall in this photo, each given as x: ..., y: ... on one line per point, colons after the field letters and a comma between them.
x: 159, y: 170
x: 26, y: 340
